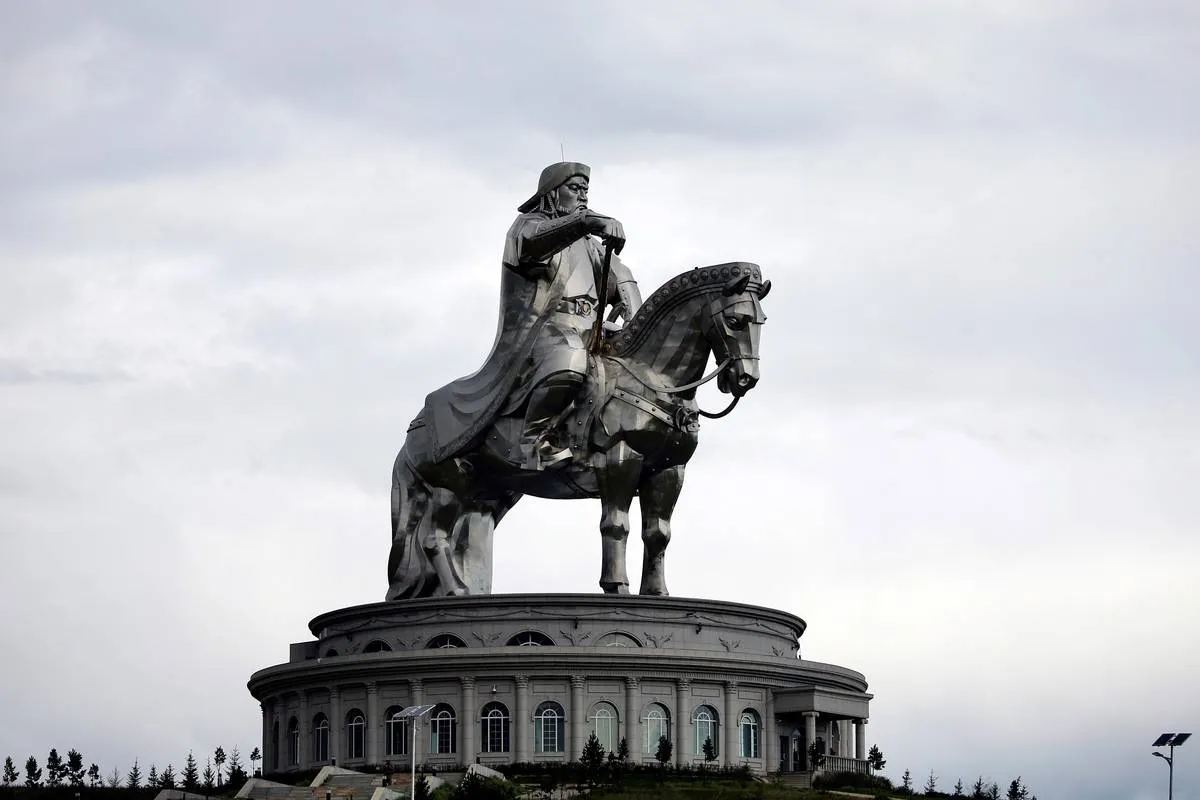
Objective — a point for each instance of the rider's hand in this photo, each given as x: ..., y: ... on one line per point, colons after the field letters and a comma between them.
x: 608, y: 229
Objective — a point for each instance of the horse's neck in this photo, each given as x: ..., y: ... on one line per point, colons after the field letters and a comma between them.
x: 675, y: 351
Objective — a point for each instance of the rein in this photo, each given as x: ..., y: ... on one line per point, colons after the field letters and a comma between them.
x: 693, y: 385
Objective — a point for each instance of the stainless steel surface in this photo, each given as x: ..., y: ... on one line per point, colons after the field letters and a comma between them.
x: 545, y: 418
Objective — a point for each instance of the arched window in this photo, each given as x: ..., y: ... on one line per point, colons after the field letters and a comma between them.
x: 444, y: 641
x: 751, y: 746
x: 705, y: 724
x: 493, y: 728
x: 293, y: 742
x: 442, y: 729
x: 656, y: 724
x: 320, y: 738
x: 603, y: 721
x: 549, y: 723
x: 275, y: 745
x: 617, y: 639
x: 395, y: 733
x: 356, y: 735
x: 531, y: 639
x: 377, y: 646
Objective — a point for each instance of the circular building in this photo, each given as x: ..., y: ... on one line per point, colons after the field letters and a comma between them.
x: 528, y: 677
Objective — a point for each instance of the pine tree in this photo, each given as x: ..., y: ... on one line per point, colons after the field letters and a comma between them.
x: 906, y: 783
x: 134, y: 779
x: 709, y: 750
x: 10, y: 771
x: 235, y: 772
x: 55, y: 771
x: 33, y: 773
x: 623, y: 750
x: 152, y: 781
x: 167, y: 779
x: 931, y: 784
x: 875, y: 758
x: 219, y: 760
x: 663, y: 753
x: 977, y: 790
x: 592, y: 759
x: 816, y: 757
x: 255, y: 757
x: 208, y: 780
x: 191, y: 774
x: 958, y: 788
x: 74, y: 769
x: 114, y: 779
x: 1017, y: 790
x: 993, y: 792
x: 93, y: 776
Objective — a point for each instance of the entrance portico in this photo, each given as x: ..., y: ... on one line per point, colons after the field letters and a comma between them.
x: 833, y: 719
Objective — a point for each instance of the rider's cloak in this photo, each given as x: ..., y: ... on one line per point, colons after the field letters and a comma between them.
x: 462, y: 410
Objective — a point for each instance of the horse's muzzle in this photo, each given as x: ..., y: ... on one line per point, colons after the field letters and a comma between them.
x: 739, y: 378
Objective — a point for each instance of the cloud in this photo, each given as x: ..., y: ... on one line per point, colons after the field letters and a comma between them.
x: 238, y: 250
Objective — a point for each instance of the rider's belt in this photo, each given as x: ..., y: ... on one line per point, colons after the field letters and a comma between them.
x: 580, y: 306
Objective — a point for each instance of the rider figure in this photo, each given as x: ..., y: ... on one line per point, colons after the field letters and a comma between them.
x: 551, y: 242
x: 552, y: 267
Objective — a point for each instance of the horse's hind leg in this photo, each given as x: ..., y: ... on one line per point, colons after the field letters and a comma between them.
x: 658, y: 495
x: 435, y: 533
x: 618, y: 477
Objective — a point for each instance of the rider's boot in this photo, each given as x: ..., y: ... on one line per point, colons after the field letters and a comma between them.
x: 548, y: 400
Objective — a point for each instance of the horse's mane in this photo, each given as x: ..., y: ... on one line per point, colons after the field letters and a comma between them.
x: 686, y: 285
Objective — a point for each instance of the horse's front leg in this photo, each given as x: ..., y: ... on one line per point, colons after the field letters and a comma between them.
x: 618, y: 476
x: 658, y: 495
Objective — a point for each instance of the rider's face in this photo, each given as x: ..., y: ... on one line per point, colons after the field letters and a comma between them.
x: 572, y: 195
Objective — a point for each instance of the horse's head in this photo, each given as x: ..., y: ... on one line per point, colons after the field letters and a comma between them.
x: 734, y: 318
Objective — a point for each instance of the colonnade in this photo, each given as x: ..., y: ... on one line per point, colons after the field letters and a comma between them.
x: 629, y: 704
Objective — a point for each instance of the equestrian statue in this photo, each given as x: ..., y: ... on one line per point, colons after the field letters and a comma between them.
x: 570, y: 404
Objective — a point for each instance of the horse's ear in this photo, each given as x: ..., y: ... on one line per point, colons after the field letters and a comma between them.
x: 765, y: 290
x: 737, y: 285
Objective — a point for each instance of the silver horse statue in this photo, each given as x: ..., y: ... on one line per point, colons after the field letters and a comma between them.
x: 632, y: 430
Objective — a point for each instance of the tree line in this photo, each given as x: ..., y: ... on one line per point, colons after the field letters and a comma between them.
x: 220, y: 771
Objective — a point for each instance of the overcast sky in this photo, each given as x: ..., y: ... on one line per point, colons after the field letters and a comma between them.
x: 239, y: 243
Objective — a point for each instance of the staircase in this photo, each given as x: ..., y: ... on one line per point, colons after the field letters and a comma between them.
x: 795, y: 780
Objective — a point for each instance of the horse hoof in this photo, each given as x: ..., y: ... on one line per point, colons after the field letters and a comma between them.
x: 612, y: 587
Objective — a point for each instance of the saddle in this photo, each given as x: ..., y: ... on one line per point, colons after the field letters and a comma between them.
x: 573, y: 429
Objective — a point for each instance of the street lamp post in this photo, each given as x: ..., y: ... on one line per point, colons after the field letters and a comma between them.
x: 413, y: 714
x: 1170, y: 741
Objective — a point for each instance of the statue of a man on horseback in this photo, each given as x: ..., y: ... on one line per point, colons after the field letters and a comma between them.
x: 553, y: 273
x: 565, y: 408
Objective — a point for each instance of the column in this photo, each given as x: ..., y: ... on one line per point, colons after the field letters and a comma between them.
x: 810, y: 735
x: 267, y: 746
x: 336, y: 723
x: 682, y: 713
x: 730, y: 754
x: 860, y: 739
x: 374, y: 723
x: 468, y: 722
x: 844, y: 733
x: 521, y: 719
x: 633, y: 730
x: 305, y: 748
x: 770, y: 738
x: 578, y: 719
x: 416, y: 689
